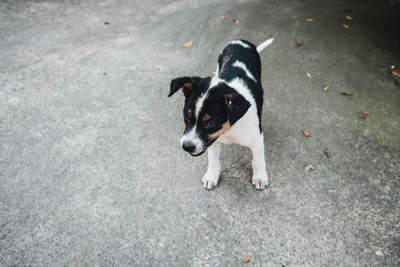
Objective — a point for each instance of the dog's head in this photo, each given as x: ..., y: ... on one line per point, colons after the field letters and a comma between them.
x: 208, y: 111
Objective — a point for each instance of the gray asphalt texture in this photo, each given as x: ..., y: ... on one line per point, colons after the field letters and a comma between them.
x: 84, y: 180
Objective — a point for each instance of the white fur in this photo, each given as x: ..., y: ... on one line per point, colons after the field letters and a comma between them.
x: 214, y: 81
x: 192, y: 137
x: 260, y: 177
x: 245, y: 132
x: 246, y: 129
x: 263, y: 45
x: 240, y: 86
x: 199, y: 104
x: 210, y: 178
x: 240, y: 64
x: 236, y: 42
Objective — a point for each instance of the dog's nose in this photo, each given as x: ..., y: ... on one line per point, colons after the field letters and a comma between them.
x: 188, y: 146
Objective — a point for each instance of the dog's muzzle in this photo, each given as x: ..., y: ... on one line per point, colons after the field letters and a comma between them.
x: 191, y: 148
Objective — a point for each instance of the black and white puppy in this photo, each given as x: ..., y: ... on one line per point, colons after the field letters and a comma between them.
x: 226, y: 108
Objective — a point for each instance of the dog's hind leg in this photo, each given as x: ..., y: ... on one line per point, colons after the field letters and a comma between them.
x: 210, y: 178
x: 260, y: 177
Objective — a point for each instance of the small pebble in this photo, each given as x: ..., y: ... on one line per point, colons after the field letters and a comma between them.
x: 379, y: 253
x: 308, y: 168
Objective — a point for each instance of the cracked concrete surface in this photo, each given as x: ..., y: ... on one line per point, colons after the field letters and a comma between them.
x: 84, y: 181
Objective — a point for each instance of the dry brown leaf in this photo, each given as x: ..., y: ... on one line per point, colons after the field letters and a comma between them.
x: 143, y: 118
x: 347, y: 93
x: 106, y: 23
x: 236, y: 21
x: 309, y: 20
x: 223, y: 17
x: 396, y: 74
x: 188, y: 44
x: 299, y: 43
x: 326, y: 153
x: 364, y: 115
x: 349, y: 18
x: 213, y: 73
x: 306, y: 134
x: 247, y: 259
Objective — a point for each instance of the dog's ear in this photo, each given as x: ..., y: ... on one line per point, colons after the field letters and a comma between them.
x: 237, y: 106
x: 186, y: 84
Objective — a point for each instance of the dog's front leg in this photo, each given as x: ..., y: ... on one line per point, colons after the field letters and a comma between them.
x: 210, y: 178
x: 260, y: 177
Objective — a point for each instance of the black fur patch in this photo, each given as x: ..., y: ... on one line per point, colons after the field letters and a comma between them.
x: 235, y: 104
x: 251, y: 58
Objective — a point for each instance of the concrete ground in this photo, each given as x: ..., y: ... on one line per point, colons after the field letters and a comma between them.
x: 84, y: 180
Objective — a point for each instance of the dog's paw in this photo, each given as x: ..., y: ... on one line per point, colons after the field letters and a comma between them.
x: 209, y: 180
x: 260, y: 181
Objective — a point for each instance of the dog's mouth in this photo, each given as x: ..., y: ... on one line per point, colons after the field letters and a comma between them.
x: 197, y: 154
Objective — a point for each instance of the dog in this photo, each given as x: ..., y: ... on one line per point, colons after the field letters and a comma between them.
x: 226, y: 109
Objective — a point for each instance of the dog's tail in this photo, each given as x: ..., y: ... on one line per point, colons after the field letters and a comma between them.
x: 263, y: 45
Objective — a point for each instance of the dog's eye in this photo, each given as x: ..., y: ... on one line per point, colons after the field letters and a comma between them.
x: 186, y: 117
x: 210, y: 124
